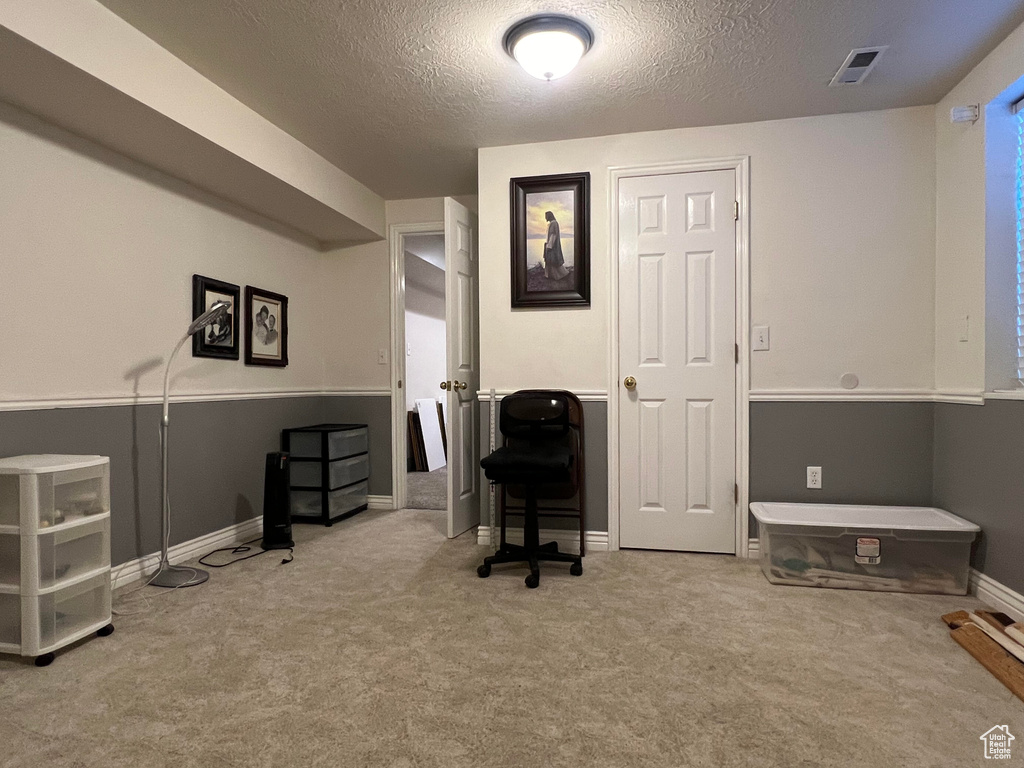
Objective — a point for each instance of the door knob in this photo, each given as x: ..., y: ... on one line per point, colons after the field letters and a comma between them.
x: 629, y: 383
x: 461, y: 385
x: 446, y: 385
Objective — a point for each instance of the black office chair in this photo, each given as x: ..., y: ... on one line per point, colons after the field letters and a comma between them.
x: 540, y: 451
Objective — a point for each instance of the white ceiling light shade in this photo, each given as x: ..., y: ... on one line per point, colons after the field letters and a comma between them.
x: 548, y: 46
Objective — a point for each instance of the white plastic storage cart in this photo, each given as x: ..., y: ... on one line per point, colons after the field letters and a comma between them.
x: 54, y: 552
x: 886, y: 549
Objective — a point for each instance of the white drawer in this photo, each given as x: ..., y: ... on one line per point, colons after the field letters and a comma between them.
x: 10, y: 560
x: 340, y: 472
x: 71, y: 610
x: 67, y: 554
x: 10, y: 619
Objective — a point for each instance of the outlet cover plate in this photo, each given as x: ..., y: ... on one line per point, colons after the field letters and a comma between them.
x: 814, y: 477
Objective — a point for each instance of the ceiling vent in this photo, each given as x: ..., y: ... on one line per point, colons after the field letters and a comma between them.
x: 858, y: 65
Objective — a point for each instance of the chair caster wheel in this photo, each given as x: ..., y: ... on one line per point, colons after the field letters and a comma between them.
x: 105, y: 631
x: 45, y: 660
x: 533, y: 580
x: 576, y: 569
x: 483, y: 571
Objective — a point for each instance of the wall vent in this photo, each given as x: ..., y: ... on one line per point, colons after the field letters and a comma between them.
x: 858, y: 65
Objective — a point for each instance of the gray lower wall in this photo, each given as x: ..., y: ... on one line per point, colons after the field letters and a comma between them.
x: 217, y: 452
x: 375, y: 412
x: 869, y: 453
x: 595, y: 449
x: 979, y: 475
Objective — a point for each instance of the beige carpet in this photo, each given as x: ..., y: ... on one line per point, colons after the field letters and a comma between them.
x: 379, y: 646
x: 427, y: 490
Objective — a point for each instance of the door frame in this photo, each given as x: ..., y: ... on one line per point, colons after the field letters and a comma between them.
x: 740, y: 166
x: 399, y: 455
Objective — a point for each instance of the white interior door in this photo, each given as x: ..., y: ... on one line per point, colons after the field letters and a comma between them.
x: 461, y: 272
x: 677, y: 336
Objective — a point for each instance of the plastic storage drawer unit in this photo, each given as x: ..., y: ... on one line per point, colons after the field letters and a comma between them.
x: 887, y: 549
x: 54, y: 552
x: 328, y: 471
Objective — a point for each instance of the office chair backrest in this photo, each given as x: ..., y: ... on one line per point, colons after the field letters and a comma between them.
x: 535, y: 416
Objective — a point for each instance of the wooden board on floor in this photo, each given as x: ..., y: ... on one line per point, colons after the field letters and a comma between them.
x: 992, y: 657
x: 416, y: 441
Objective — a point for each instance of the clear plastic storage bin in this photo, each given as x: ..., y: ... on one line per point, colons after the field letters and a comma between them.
x: 341, y: 501
x: 10, y: 620
x: 340, y: 472
x: 890, y: 549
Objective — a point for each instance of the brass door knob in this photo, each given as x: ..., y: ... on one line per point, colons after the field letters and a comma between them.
x: 461, y: 385
x: 629, y: 383
x: 446, y: 385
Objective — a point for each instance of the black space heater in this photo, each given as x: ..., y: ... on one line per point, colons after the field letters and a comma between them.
x: 277, y: 515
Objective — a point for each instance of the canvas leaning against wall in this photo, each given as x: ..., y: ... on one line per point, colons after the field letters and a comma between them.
x: 550, y: 240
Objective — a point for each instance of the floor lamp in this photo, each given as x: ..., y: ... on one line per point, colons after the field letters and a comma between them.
x: 168, y: 575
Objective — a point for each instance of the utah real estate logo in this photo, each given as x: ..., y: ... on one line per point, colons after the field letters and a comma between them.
x: 997, y: 742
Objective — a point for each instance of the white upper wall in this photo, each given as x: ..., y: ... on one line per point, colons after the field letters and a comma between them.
x: 842, y: 251
x: 961, y: 195
x: 96, y: 264
x: 97, y: 42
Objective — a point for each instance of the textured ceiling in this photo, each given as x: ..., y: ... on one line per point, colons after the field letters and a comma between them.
x: 401, y: 93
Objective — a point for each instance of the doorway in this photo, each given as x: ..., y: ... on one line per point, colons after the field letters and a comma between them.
x: 435, y: 370
x: 426, y: 343
x: 678, y: 421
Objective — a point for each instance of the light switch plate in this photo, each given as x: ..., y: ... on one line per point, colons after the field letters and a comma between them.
x: 964, y: 328
x: 382, y: 356
x: 759, y: 338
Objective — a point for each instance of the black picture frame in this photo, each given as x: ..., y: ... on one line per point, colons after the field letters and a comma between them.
x: 533, y: 285
x: 273, y: 322
x: 211, y: 341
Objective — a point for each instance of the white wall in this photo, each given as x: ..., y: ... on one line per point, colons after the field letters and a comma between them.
x: 425, y: 363
x: 358, y: 319
x: 961, y: 221
x: 96, y: 263
x: 842, y: 251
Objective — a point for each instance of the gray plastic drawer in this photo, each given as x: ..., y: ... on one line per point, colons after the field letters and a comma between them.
x: 308, y: 503
x: 348, y: 442
x: 341, y: 472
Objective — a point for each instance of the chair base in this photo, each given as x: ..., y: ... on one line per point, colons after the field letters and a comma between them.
x: 532, y: 556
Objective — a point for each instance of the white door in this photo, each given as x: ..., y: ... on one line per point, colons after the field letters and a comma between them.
x: 461, y: 271
x: 677, y: 336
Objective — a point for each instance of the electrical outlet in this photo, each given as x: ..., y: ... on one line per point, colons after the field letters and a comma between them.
x: 382, y: 356
x: 760, y: 338
x: 814, y: 477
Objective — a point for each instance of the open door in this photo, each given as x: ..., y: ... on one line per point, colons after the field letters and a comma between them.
x: 463, y: 319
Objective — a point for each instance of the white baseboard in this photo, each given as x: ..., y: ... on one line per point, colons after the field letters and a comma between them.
x: 597, y: 541
x: 997, y: 595
x: 379, y: 502
x: 133, y: 570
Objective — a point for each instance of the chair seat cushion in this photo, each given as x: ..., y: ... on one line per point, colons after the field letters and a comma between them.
x: 532, y: 464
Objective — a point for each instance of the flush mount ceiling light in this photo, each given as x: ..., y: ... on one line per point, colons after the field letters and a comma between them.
x: 548, y: 46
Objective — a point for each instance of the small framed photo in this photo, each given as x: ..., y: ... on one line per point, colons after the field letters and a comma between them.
x: 266, y: 328
x: 551, y: 241
x: 220, y: 339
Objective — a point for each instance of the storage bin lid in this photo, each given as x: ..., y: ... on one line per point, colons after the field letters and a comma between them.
x: 860, y: 516
x: 37, y: 464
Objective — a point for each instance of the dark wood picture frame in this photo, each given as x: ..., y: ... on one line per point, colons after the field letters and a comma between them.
x: 201, y: 344
x: 277, y: 325
x: 574, y: 292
